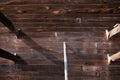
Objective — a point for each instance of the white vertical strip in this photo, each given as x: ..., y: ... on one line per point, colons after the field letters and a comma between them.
x: 65, y: 62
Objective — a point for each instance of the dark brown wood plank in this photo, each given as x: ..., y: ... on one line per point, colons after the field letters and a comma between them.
x: 14, y: 2
x: 47, y: 24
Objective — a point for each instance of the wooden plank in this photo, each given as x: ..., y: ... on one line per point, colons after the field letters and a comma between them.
x: 70, y: 15
x: 108, y: 45
x: 84, y: 78
x: 47, y: 2
x: 18, y: 68
x: 67, y: 19
x: 54, y: 6
x: 87, y: 74
x: 28, y: 78
x: 63, y: 11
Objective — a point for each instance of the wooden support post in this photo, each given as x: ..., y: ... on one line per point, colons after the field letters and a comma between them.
x: 113, y: 32
x: 65, y: 62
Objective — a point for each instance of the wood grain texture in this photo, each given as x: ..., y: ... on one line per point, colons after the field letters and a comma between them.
x: 46, y: 24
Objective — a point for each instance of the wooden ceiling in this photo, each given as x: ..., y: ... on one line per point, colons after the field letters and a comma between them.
x: 46, y: 24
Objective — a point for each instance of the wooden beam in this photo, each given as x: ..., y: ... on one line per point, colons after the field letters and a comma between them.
x: 113, y: 57
x: 113, y: 32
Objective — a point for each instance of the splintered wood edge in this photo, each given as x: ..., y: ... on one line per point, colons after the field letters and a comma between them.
x: 108, y: 59
x: 107, y: 34
x: 116, y: 25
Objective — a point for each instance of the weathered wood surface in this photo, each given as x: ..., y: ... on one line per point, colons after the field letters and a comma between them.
x: 47, y: 23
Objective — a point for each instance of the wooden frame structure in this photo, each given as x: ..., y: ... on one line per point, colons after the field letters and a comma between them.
x: 109, y: 34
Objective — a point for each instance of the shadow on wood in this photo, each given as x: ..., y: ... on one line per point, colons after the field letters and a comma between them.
x: 88, y: 59
x: 47, y: 53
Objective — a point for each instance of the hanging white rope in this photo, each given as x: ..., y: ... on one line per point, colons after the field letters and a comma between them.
x: 65, y: 62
